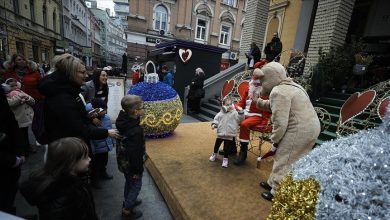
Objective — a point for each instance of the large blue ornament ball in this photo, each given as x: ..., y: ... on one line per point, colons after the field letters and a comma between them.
x: 163, y: 108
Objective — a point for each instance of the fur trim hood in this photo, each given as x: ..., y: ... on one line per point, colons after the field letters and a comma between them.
x: 30, y: 64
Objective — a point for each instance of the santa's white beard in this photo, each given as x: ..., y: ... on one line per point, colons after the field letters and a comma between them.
x: 254, y: 90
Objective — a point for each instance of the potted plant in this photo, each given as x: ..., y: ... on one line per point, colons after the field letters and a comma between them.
x: 362, y: 61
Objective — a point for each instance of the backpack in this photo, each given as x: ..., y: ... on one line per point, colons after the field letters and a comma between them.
x: 38, y: 123
x: 121, y: 157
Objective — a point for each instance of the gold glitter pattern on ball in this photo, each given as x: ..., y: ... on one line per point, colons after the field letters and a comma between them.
x: 162, y: 116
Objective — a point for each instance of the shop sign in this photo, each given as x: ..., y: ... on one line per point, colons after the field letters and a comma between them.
x: 153, y: 40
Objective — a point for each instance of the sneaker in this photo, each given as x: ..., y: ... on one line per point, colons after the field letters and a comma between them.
x: 225, y: 162
x: 213, y: 157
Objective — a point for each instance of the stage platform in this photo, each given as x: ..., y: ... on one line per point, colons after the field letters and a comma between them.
x: 195, y: 188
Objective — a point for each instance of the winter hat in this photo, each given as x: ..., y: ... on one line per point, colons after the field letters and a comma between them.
x: 260, y: 64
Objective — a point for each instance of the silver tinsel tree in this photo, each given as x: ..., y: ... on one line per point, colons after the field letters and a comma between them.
x: 354, y: 175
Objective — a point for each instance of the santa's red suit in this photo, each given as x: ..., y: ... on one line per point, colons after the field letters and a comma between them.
x: 253, y: 116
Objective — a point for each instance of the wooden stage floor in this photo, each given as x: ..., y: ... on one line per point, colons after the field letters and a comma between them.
x: 195, y: 188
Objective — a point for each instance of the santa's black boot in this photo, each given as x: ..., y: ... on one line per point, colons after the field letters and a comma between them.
x: 242, y: 155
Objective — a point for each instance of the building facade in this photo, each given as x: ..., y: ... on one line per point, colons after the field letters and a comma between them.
x: 30, y: 28
x: 215, y: 22
x: 116, y: 44
x: 121, y: 9
x: 76, y: 39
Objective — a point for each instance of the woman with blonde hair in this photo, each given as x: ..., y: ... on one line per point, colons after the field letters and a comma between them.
x: 64, y: 107
x: 58, y: 189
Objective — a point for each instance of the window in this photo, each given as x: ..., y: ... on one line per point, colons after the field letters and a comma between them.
x: 201, y: 29
x: 35, y: 51
x: 44, y: 13
x: 229, y: 2
x: 161, y: 18
x: 20, y: 47
x: 224, y: 37
x: 32, y: 10
x: 54, y: 21
x: 16, y: 6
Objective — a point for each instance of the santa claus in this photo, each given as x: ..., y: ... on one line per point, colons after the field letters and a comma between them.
x: 253, y: 115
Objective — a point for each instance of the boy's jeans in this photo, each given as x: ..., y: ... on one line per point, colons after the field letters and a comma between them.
x: 132, y: 189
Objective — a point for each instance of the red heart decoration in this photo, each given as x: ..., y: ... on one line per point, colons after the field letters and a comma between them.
x: 242, y: 88
x: 356, y: 104
x: 227, y: 88
x: 382, y: 107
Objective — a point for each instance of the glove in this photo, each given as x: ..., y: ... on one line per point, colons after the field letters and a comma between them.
x: 271, y: 152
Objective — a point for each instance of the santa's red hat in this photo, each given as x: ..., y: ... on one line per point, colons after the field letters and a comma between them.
x: 260, y: 64
x: 255, y: 79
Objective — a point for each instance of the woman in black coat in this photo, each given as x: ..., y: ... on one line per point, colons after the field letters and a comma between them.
x: 12, y: 152
x: 58, y: 189
x: 196, y: 92
x: 64, y: 107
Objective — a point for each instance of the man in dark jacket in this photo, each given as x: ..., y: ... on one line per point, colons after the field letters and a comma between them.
x: 11, y: 155
x: 254, y: 55
x: 273, y: 49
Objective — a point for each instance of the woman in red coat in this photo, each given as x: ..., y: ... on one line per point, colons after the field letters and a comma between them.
x: 26, y: 72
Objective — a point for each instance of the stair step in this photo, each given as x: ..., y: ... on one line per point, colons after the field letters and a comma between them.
x: 201, y: 117
x: 214, y: 101
x: 330, y: 101
x: 338, y: 95
x: 211, y: 106
x: 207, y: 112
x: 330, y: 108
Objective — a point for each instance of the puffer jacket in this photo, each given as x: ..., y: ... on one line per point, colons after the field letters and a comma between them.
x: 227, y: 123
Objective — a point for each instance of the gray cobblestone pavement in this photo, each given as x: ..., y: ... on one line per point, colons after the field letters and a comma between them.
x: 108, y: 200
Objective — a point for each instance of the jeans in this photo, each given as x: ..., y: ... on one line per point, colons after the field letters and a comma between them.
x: 132, y: 189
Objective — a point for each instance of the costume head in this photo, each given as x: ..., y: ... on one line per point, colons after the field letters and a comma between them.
x: 271, y: 75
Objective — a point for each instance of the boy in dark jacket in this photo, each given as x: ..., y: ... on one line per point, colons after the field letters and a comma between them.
x: 128, y: 124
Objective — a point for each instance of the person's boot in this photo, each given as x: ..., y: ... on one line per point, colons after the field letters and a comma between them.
x: 243, y: 154
x: 131, y: 213
x: 232, y: 150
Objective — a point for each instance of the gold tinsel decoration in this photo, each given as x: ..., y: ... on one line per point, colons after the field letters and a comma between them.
x: 295, y: 199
